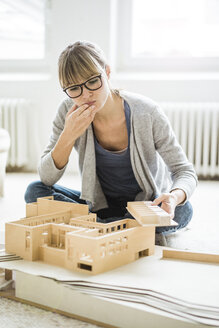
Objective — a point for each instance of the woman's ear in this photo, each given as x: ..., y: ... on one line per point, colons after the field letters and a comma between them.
x: 108, y: 71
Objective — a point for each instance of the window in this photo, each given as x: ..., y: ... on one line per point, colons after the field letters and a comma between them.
x: 23, y: 31
x: 168, y: 34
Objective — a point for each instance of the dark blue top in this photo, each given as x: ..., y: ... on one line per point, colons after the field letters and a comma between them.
x: 114, y: 169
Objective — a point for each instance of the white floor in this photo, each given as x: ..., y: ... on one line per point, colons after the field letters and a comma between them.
x: 202, y: 233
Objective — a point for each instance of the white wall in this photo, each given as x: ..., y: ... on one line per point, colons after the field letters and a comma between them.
x: 94, y: 20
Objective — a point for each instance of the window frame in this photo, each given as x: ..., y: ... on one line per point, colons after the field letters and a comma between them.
x: 32, y: 65
x: 125, y: 62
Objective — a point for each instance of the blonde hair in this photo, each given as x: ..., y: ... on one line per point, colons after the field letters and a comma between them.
x: 79, y: 61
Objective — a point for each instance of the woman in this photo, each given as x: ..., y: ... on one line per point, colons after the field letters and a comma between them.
x: 127, y: 150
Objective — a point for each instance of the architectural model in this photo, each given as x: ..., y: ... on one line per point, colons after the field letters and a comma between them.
x: 67, y: 235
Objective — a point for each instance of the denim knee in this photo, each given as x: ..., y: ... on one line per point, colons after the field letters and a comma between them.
x: 32, y: 191
x: 183, y: 215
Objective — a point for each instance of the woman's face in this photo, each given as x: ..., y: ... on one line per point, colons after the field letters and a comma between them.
x: 96, y: 98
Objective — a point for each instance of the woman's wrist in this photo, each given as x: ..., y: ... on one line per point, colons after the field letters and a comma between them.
x: 66, y: 138
x: 179, y: 195
x: 62, y: 150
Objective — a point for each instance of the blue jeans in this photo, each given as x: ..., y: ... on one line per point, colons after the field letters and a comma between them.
x: 116, y: 210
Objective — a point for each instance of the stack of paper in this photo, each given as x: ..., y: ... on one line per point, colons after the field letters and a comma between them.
x: 204, y: 314
x: 4, y: 257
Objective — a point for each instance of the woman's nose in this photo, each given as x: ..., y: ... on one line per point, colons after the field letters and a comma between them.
x: 86, y: 93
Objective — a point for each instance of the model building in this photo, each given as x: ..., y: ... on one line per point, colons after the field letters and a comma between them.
x: 67, y: 235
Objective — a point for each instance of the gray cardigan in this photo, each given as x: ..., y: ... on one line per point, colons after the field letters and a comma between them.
x: 158, y: 161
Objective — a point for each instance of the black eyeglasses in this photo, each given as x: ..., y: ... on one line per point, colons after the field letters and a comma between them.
x: 76, y: 90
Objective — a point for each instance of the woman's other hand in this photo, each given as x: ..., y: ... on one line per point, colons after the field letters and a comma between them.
x: 170, y: 200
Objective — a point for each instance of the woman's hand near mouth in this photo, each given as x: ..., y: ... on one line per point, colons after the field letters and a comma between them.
x: 77, y: 121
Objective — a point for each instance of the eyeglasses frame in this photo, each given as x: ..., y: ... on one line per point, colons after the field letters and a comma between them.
x: 84, y: 84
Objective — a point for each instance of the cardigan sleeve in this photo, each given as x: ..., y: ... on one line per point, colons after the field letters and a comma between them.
x: 49, y: 173
x: 181, y: 170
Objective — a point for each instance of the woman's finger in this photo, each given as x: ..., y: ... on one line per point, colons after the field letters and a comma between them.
x: 72, y: 109
x: 77, y: 111
x: 169, y: 208
x: 159, y: 199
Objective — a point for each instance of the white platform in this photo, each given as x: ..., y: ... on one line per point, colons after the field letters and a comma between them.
x: 188, y: 281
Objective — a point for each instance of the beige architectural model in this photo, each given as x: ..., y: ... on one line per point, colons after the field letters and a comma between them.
x: 65, y: 234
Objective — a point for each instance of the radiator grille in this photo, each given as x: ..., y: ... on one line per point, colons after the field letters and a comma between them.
x: 196, y: 126
x: 13, y: 118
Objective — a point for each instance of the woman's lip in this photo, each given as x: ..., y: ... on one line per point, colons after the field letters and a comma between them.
x: 90, y: 103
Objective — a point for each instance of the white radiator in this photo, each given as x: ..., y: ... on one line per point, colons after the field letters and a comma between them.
x: 196, y: 126
x: 13, y: 117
